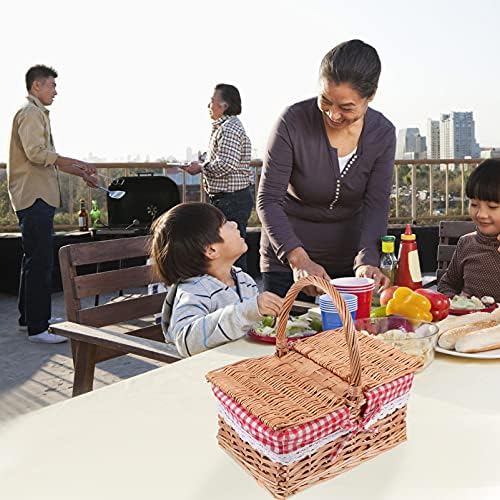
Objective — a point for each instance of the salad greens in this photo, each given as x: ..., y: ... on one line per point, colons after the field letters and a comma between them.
x: 297, y: 326
x: 461, y: 302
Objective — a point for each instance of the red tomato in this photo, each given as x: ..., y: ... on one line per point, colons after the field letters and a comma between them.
x: 387, y: 294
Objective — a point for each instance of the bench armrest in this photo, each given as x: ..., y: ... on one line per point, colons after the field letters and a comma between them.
x: 117, y: 341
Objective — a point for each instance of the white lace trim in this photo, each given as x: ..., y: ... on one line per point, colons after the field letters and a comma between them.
x: 309, y: 449
x: 389, y: 408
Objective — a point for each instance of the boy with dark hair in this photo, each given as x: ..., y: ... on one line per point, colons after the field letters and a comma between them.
x: 210, y: 301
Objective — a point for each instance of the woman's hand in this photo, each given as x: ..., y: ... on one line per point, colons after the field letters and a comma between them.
x: 303, y: 266
x: 269, y: 304
x: 498, y: 238
x: 193, y: 168
x: 381, y: 280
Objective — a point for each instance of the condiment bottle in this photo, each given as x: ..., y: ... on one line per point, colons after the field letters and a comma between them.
x: 83, y: 217
x: 408, y: 273
x: 95, y: 214
x: 388, y: 261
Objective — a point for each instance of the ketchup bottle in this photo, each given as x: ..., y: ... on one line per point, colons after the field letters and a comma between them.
x: 408, y: 274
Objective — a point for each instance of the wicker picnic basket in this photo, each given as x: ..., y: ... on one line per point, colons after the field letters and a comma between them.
x: 316, y: 408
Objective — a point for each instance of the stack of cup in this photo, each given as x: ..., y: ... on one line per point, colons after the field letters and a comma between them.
x: 329, y: 313
x: 362, y: 288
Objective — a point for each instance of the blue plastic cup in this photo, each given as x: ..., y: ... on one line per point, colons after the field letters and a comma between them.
x: 329, y: 314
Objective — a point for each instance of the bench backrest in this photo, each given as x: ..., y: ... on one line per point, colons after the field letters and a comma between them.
x: 449, y: 233
x: 127, y: 259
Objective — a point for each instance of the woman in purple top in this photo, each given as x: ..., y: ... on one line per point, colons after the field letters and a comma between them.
x: 325, y: 189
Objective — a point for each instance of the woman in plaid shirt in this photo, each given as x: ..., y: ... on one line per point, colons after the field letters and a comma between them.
x: 226, y: 169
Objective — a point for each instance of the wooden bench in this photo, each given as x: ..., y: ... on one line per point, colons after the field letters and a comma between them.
x: 449, y: 233
x: 121, y: 326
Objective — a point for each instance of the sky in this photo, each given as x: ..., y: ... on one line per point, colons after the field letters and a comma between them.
x: 135, y: 77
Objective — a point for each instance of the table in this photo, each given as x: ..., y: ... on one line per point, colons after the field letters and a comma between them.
x: 153, y: 437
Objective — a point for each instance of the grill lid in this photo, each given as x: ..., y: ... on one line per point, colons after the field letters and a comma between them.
x: 146, y: 199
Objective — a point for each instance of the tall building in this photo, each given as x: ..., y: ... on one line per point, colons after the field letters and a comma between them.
x: 490, y: 153
x: 457, y: 138
x: 410, y: 145
x: 189, y: 154
x: 433, y: 147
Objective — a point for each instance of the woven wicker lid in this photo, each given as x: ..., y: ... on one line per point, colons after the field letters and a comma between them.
x: 314, y: 376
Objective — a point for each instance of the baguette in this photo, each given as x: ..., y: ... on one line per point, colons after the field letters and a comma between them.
x: 479, y: 341
x: 496, y: 314
x: 448, y: 339
x: 458, y: 321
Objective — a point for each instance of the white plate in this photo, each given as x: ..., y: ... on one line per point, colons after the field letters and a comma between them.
x: 493, y: 354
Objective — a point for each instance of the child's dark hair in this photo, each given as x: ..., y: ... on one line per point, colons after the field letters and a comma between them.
x: 484, y: 181
x: 180, y: 237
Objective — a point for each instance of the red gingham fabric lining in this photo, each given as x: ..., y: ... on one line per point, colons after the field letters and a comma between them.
x: 381, y: 395
x: 293, y: 438
x: 287, y: 440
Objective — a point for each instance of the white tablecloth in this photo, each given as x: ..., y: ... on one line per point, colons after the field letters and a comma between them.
x: 153, y: 437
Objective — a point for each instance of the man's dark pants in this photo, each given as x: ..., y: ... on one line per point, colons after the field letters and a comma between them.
x: 237, y: 207
x: 35, y: 283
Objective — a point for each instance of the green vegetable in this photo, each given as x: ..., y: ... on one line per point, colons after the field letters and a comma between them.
x: 268, y: 321
x: 378, y: 312
x: 316, y: 324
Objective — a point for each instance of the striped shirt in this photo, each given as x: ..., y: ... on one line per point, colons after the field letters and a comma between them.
x: 474, y: 268
x: 227, y: 167
x: 202, y: 312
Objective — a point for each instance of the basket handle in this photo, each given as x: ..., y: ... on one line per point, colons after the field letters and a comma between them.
x: 345, y: 316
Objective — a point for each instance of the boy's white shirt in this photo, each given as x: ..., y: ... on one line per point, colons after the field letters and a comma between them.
x: 202, y: 312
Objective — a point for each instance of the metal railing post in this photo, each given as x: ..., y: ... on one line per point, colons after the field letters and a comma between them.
x: 431, y: 191
x: 71, y: 200
x: 396, y: 173
x: 462, y: 189
x: 183, y: 188
x: 446, y: 191
x: 413, y: 194
x: 203, y: 195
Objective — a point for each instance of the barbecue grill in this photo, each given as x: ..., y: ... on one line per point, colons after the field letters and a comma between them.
x: 146, y: 198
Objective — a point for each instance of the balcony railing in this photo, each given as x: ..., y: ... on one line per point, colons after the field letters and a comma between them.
x: 424, y: 191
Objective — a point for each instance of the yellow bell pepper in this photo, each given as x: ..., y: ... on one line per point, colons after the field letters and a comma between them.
x: 410, y: 305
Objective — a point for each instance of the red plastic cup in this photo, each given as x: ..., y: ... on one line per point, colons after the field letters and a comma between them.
x: 364, y: 303
x: 362, y: 288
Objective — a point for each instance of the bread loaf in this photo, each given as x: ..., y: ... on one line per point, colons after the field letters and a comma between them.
x: 496, y: 314
x: 448, y: 339
x: 479, y: 341
x: 458, y: 321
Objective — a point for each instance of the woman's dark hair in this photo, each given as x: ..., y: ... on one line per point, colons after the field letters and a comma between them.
x: 353, y: 62
x: 180, y: 237
x: 231, y: 96
x: 39, y: 72
x: 484, y: 182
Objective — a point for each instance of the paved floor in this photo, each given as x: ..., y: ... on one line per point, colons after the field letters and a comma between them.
x: 36, y: 375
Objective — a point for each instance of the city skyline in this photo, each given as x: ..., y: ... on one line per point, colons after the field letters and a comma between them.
x: 450, y: 137
x: 139, y: 84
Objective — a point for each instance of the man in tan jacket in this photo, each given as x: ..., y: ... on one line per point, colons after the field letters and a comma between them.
x: 33, y: 179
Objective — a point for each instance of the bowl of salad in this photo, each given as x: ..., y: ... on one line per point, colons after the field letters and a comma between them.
x: 297, y: 327
x: 414, y: 337
x: 460, y: 305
